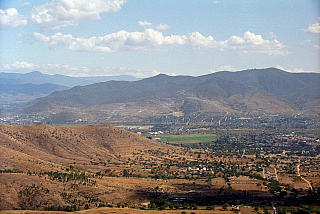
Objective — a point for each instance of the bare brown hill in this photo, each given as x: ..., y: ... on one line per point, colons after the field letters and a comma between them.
x: 65, y: 145
x: 43, y: 167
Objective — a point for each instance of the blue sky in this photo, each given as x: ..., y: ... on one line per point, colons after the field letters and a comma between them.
x: 146, y: 37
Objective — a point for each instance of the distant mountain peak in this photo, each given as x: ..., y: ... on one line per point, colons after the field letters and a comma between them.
x: 34, y: 73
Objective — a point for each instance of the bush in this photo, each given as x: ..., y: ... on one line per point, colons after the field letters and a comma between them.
x: 152, y: 206
x: 163, y: 207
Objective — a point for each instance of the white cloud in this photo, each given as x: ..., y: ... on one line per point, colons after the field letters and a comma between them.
x: 216, y: 2
x: 26, y: 3
x: 296, y: 70
x: 251, y: 43
x: 25, y: 67
x: 120, y: 41
x: 148, y: 25
x: 271, y: 34
x: 162, y: 27
x: 20, y: 66
x: 224, y: 68
x: 305, y: 42
x: 10, y: 18
x: 317, y: 46
x: 155, y: 73
x: 62, y: 13
x: 151, y: 39
x: 145, y: 24
x: 313, y: 28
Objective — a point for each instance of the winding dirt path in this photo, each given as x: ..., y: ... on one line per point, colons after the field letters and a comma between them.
x: 275, y: 172
x: 298, y: 171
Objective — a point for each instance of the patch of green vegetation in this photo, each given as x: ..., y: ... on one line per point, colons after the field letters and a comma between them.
x: 191, y: 137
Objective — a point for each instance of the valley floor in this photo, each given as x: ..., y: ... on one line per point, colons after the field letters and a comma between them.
x: 105, y: 210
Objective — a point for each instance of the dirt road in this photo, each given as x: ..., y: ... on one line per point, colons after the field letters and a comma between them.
x: 298, y: 171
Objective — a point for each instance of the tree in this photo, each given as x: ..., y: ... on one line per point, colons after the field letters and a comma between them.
x: 163, y: 207
x: 194, y: 206
x: 185, y: 206
x: 176, y: 206
x: 159, y: 201
x: 152, y: 206
x: 225, y: 206
x: 282, y: 211
x: 125, y: 173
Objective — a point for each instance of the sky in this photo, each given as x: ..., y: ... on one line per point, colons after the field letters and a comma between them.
x: 144, y: 38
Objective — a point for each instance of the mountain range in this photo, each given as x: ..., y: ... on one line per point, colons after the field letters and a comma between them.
x: 249, y: 91
x: 17, y: 87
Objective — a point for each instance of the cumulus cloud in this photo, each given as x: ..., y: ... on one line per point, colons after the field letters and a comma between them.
x: 62, y: 13
x: 251, y: 43
x: 120, y: 41
x: 313, y: 28
x: 10, y: 18
x: 148, y: 25
x: 151, y: 39
x: 296, y: 70
x: 224, y: 68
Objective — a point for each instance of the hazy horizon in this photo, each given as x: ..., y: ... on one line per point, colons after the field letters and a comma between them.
x: 143, y: 39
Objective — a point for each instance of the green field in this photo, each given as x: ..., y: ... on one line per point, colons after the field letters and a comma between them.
x: 191, y: 137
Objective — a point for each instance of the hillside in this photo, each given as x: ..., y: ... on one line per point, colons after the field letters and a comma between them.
x: 38, y: 78
x: 29, y: 151
x: 66, y: 145
x: 11, y: 92
x: 70, y: 168
x: 251, y: 91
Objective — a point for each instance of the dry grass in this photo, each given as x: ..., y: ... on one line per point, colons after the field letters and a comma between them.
x: 108, y: 151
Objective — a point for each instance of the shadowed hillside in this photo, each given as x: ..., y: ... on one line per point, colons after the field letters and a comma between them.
x: 17, y: 87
